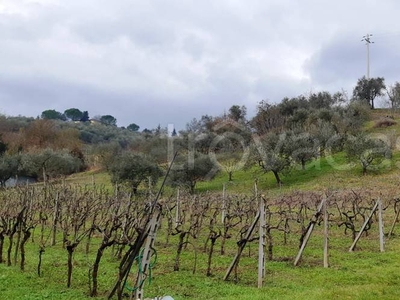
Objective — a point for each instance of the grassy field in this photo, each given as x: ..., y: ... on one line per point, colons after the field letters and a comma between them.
x: 363, y: 274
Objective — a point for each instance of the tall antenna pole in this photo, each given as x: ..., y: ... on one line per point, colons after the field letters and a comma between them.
x: 367, y: 39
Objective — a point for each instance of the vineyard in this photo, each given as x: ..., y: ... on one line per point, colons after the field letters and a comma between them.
x: 80, y: 236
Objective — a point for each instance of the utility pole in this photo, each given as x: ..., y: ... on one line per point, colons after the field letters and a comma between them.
x: 367, y: 39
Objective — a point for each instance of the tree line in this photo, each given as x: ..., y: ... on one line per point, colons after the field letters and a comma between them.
x: 76, y: 115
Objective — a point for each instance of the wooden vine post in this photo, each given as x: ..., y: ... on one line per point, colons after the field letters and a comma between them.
x: 223, y: 204
x: 309, y: 231
x: 326, y: 234
x: 261, y: 219
x: 261, y: 244
x: 394, y: 221
x: 177, y: 210
x: 366, y: 223
x: 148, y: 251
x: 147, y: 233
x: 381, y: 233
x: 242, y: 244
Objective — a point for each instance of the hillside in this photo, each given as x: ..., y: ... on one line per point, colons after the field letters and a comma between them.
x: 333, y: 172
x: 200, y: 234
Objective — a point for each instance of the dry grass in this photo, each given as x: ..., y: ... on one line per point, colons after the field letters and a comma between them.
x: 384, y: 122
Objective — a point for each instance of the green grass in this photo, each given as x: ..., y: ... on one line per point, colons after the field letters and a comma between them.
x: 97, y: 177
x: 364, y: 274
x: 332, y: 172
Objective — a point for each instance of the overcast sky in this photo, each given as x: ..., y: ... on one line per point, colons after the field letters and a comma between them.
x: 167, y: 61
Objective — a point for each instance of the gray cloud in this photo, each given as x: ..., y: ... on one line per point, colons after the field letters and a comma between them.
x: 342, y: 61
x: 160, y: 62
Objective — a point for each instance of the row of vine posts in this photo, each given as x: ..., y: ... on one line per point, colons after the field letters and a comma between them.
x: 73, y: 216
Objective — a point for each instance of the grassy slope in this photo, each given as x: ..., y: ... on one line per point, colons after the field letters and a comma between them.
x: 365, y: 274
x: 332, y: 172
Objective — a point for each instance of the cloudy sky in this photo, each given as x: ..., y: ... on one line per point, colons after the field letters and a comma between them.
x: 164, y: 62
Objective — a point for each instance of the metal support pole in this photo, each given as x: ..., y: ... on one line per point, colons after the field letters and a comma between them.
x: 367, y: 39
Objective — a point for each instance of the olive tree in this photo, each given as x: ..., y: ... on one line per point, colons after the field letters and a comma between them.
x: 8, y: 167
x: 132, y: 168
x: 325, y: 136
x: 367, y: 89
x: 270, y: 152
x: 197, y: 167
x: 301, y: 147
x: 230, y: 162
x: 368, y: 151
x: 49, y: 163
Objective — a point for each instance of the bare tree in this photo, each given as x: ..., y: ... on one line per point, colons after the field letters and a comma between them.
x: 393, y: 93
